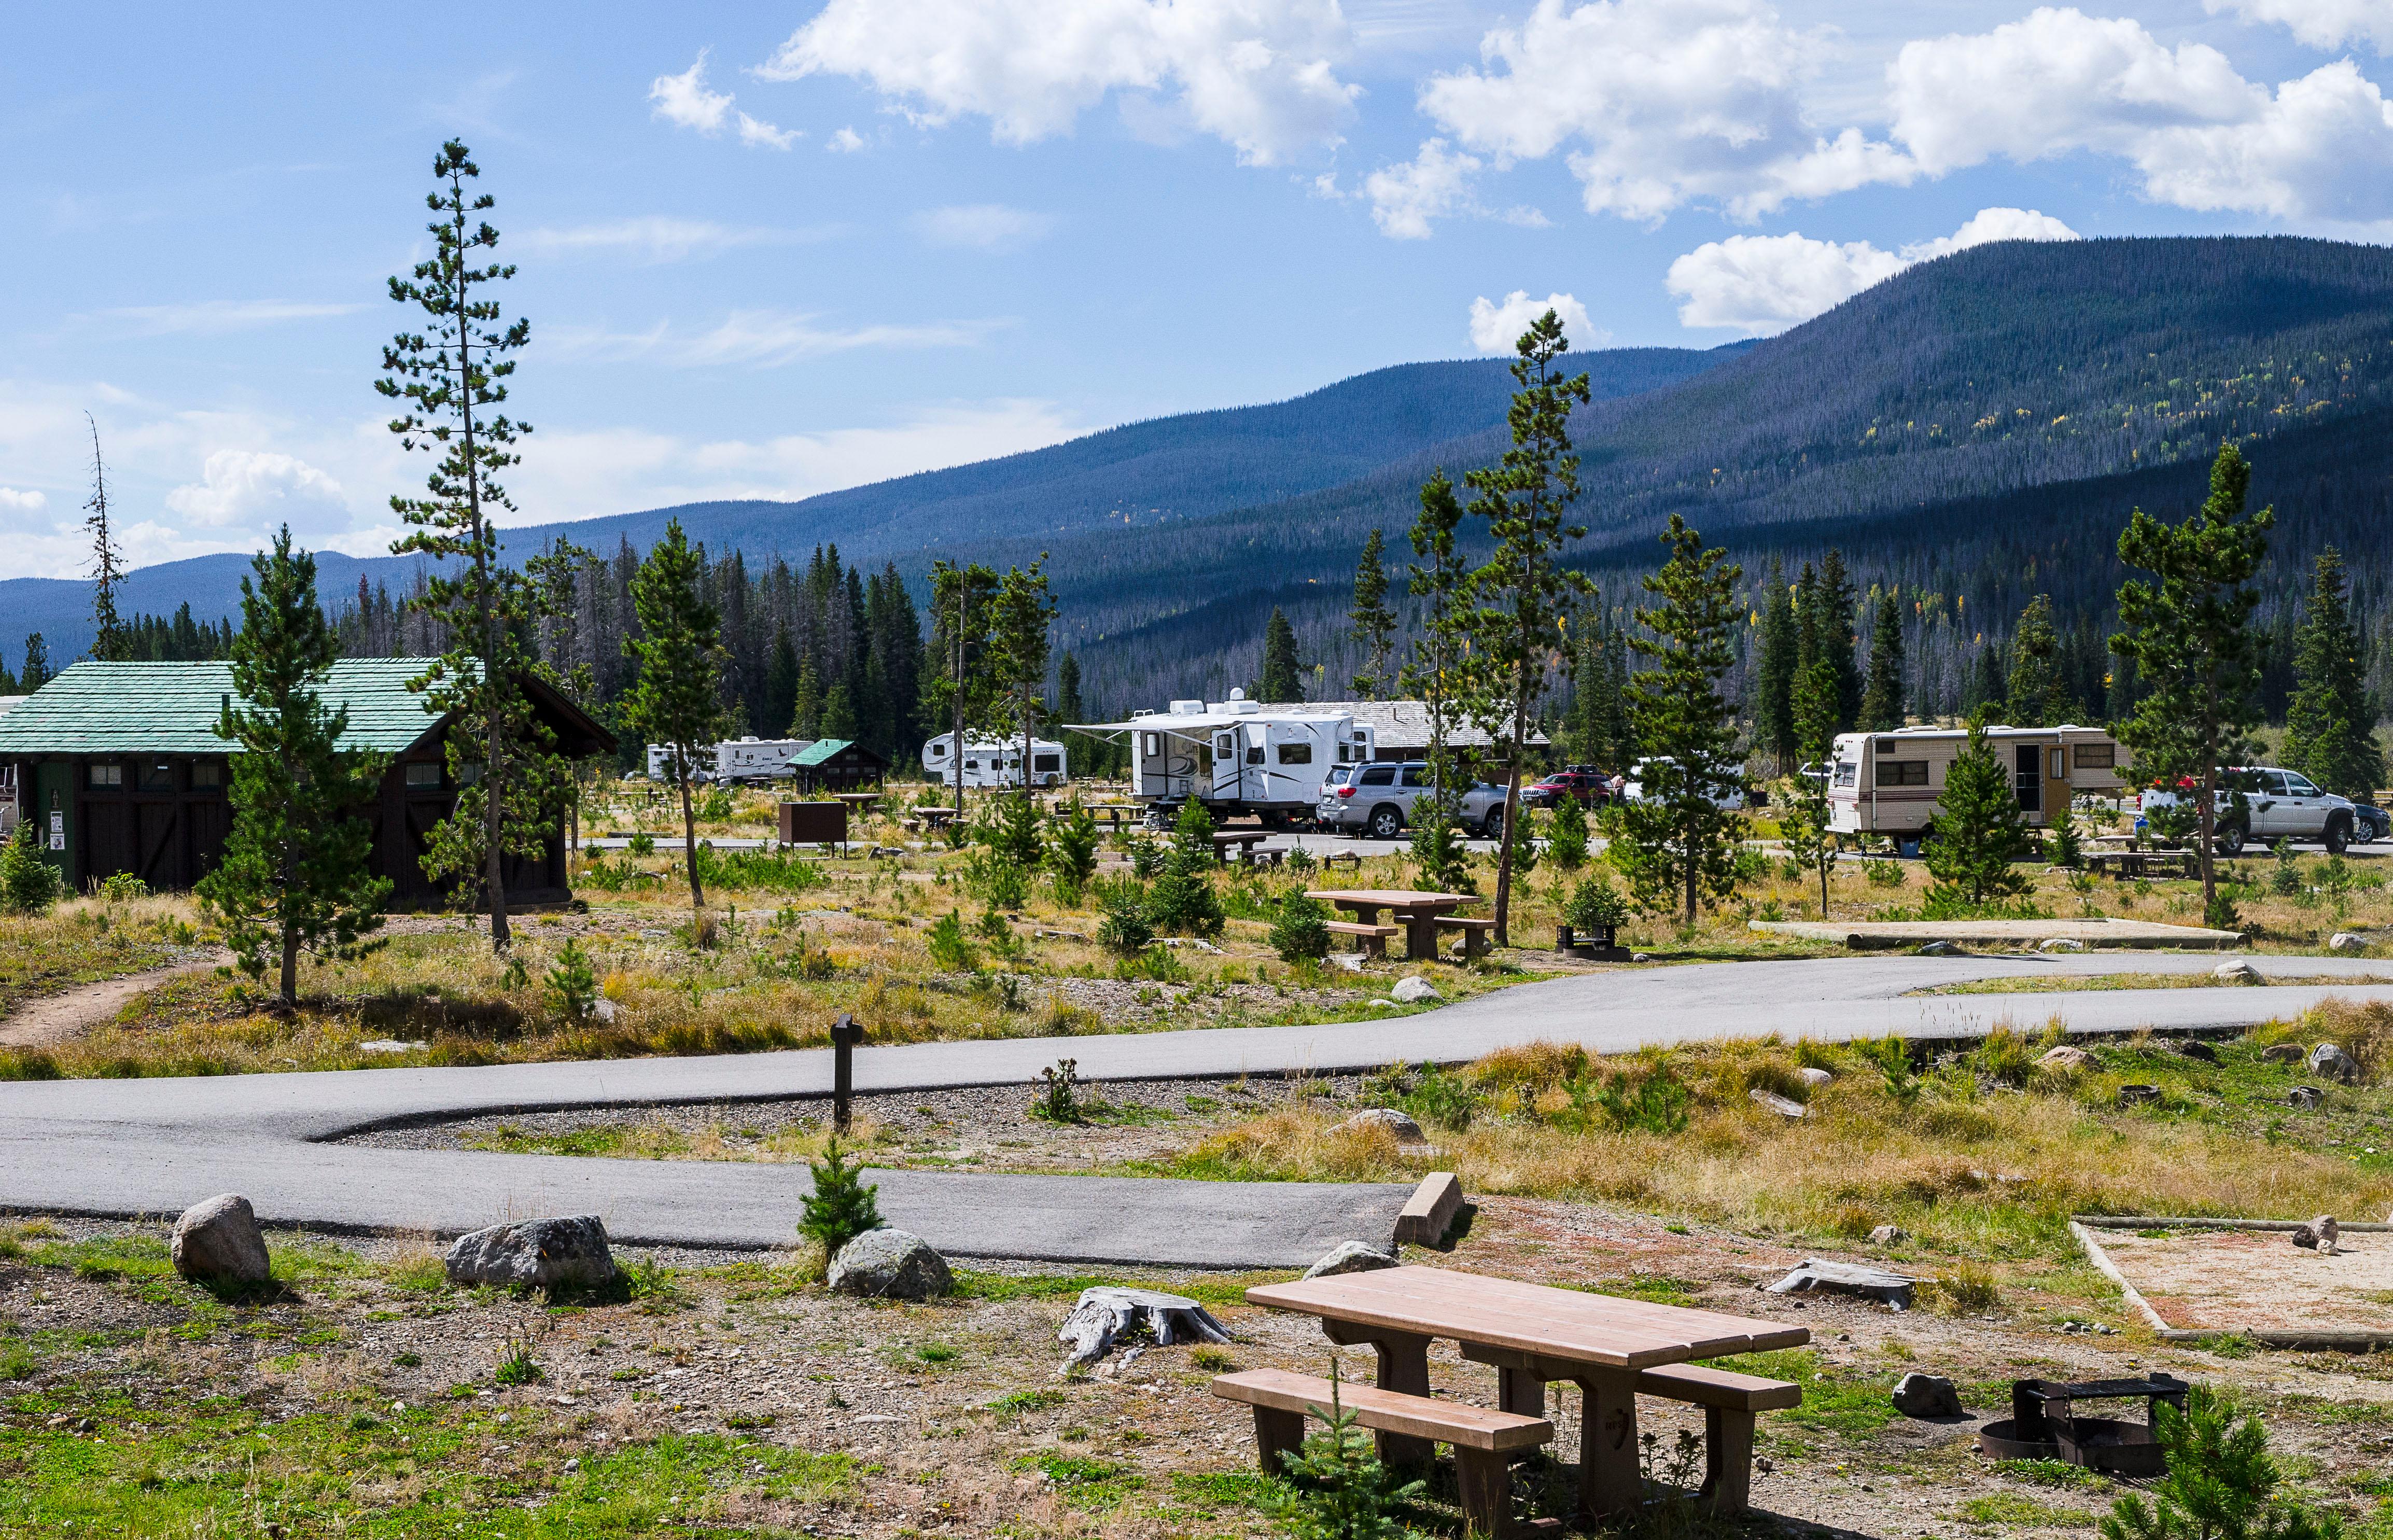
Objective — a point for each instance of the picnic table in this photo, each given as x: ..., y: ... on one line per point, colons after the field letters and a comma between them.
x: 1242, y: 839
x: 1419, y: 913
x: 1112, y: 815
x: 2128, y: 865
x: 1612, y: 1348
x: 858, y: 802
x: 932, y: 819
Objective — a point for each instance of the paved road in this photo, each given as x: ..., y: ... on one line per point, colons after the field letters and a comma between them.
x: 133, y: 1147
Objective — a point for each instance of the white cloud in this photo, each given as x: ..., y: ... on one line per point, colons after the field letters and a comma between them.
x: 2319, y: 149
x: 1257, y: 73
x: 1764, y: 284
x: 755, y: 131
x: 659, y: 238
x: 2320, y: 23
x: 1658, y: 103
x: 1497, y: 327
x: 216, y: 317
x: 763, y: 339
x: 258, y: 491
x: 989, y: 227
x: 847, y: 141
x: 1405, y: 197
x: 684, y: 100
x: 14, y: 502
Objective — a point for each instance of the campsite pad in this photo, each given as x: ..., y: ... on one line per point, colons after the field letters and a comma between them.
x: 1889, y: 935
x: 2258, y: 1280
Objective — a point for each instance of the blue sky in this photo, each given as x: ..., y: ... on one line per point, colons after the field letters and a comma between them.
x: 770, y: 251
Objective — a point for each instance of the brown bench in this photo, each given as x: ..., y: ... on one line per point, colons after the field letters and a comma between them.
x: 1483, y: 1439
x: 1336, y: 858
x: 1375, y: 937
x: 1475, y: 933
x: 1729, y: 1400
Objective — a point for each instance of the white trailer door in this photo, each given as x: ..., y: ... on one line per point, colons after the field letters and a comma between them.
x: 1296, y: 763
x: 1228, y: 765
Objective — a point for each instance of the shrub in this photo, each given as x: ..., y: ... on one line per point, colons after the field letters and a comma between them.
x: 1184, y: 902
x: 1145, y: 857
x: 998, y: 878
x: 28, y: 883
x: 950, y: 949
x: 1125, y: 931
x: 1341, y: 1490
x: 1596, y: 905
x: 122, y: 887
x: 572, y: 988
x: 1072, y: 854
x: 1883, y: 874
x: 842, y: 1207
x: 1302, y: 931
x: 2221, y: 1483
x: 1059, y: 1094
x: 2066, y: 845
x: 2286, y: 880
x: 641, y: 844
x: 1892, y: 1057
x: 1566, y: 840
x: 1655, y: 1104
x: 1442, y: 1098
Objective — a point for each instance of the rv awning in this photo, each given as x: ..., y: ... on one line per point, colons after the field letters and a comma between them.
x: 1179, y: 725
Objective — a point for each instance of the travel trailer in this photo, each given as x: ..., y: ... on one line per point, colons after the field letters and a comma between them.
x: 1235, y: 757
x: 1888, y: 783
x: 757, y: 759
x: 995, y: 762
x: 660, y: 764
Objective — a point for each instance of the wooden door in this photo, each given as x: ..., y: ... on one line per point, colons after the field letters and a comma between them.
x: 107, y: 839
x: 158, y: 841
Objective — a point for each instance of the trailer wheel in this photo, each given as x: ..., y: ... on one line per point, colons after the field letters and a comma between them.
x: 1386, y: 822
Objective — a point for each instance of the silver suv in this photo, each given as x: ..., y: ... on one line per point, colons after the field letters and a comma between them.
x: 1378, y: 799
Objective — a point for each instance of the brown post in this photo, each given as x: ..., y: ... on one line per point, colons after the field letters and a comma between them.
x: 845, y: 1033
x: 1609, y: 1482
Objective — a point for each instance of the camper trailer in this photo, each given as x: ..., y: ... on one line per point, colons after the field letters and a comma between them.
x: 994, y: 761
x: 661, y: 762
x: 1235, y: 757
x: 1888, y: 783
x: 756, y: 761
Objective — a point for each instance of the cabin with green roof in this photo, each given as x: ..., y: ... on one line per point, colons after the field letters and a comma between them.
x: 119, y: 767
x: 837, y: 765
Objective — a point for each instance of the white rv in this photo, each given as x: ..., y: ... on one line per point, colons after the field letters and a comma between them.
x: 662, y: 760
x: 757, y: 759
x: 995, y: 762
x: 1235, y: 757
x: 1888, y: 783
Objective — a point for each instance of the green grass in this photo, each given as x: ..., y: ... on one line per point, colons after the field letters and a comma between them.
x: 1021, y: 1402
x: 1091, y: 1485
x: 1214, y: 1292
x: 2052, y: 1473
x: 2016, y: 1509
x: 1652, y: 1287
x: 1851, y: 1408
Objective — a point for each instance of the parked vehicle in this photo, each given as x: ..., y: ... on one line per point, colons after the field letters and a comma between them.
x: 756, y: 761
x: 1633, y: 790
x: 1235, y: 758
x: 2279, y: 806
x: 664, y: 765
x: 1378, y: 799
x: 1590, y: 785
x: 1888, y: 783
x: 995, y: 762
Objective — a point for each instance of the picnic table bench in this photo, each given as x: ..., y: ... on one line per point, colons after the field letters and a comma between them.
x: 1375, y: 938
x: 1422, y: 914
x: 1612, y: 1349
x: 1242, y: 839
x: 2128, y: 865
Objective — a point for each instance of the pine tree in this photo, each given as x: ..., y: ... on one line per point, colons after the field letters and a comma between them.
x: 2221, y: 1482
x: 1020, y: 619
x: 1676, y: 847
x: 1086, y: 754
x: 2189, y: 635
x: 806, y: 702
x: 297, y: 870
x: 1882, y: 698
x: 1439, y: 674
x: 839, y: 714
x: 2331, y: 722
x: 958, y: 691
x: 1774, y: 673
x: 29, y: 884
x: 781, y: 685
x: 1977, y: 834
x: 1282, y: 676
x: 1804, y: 826
x: 1834, y: 624
x: 2037, y: 694
x: 676, y: 699
x: 36, y: 671
x: 1522, y: 599
x: 444, y: 377
x: 1375, y: 623
x: 842, y: 1205
x: 110, y: 643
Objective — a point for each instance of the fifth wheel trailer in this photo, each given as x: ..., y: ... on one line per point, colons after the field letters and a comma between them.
x: 1889, y: 783
x: 1233, y: 757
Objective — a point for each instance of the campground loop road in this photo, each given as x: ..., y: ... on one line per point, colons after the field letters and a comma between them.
x: 131, y: 1148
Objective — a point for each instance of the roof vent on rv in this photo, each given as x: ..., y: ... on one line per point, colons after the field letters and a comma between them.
x: 1187, y: 708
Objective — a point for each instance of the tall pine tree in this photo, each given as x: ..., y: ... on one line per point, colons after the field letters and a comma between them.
x: 1375, y: 623
x: 2331, y: 722
x: 1283, y: 674
x: 1774, y: 680
x: 1023, y: 613
x: 1677, y: 845
x: 2189, y: 632
x: 1882, y: 707
x: 2038, y: 692
x: 676, y: 698
x: 1833, y: 622
x: 959, y: 693
x: 297, y: 872
x: 1439, y: 674
x: 110, y: 643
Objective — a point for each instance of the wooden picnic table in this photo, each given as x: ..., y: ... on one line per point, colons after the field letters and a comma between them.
x: 1243, y: 840
x: 858, y: 801
x: 1533, y: 1334
x: 1418, y: 913
x: 2128, y: 865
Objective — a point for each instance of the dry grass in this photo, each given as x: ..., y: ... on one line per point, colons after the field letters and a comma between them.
x: 1969, y: 1164
x: 89, y: 939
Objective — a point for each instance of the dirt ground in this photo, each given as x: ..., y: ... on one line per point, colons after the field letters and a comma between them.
x: 2244, y: 1280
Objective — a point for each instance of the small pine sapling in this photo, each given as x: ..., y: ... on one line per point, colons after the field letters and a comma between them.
x: 1182, y: 899
x: 1596, y: 906
x: 572, y: 986
x: 842, y: 1207
x: 1072, y: 854
x: 1302, y: 932
x: 1979, y: 833
x: 2066, y: 847
x: 1566, y: 840
x: 2221, y: 1483
x: 950, y: 949
x: 28, y: 883
x: 1342, y: 1491
x: 1125, y: 931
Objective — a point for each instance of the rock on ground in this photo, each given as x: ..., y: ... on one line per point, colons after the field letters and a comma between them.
x: 2060, y: 943
x: 1810, y: 1075
x: 1403, y: 1128
x: 2282, y: 1053
x: 1351, y: 1256
x: 1917, y: 1395
x: 2236, y: 972
x: 2330, y: 1063
x: 2317, y: 1234
x: 1938, y: 949
x: 1889, y: 1234
x: 2194, y: 1048
x: 219, y: 1241
x: 1415, y: 988
x: 2345, y: 941
x: 559, y: 1253
x: 2137, y: 1096
x: 1783, y: 1106
x: 2065, y: 1058
x: 890, y: 1264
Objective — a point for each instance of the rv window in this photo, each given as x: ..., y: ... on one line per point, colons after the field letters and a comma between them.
x: 1377, y: 775
x: 1045, y: 763
x: 1895, y: 772
x: 2059, y: 765
x: 972, y: 765
x: 2096, y: 756
x: 1848, y: 771
x: 1255, y: 754
x: 1296, y: 754
x: 1155, y: 743
x: 938, y: 750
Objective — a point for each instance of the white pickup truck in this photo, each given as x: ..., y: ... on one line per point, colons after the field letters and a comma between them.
x: 2284, y: 805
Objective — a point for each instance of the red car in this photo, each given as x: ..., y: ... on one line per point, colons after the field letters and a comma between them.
x: 1589, y: 786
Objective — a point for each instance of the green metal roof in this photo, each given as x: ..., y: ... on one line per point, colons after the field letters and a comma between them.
x: 820, y: 751
x: 172, y: 707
